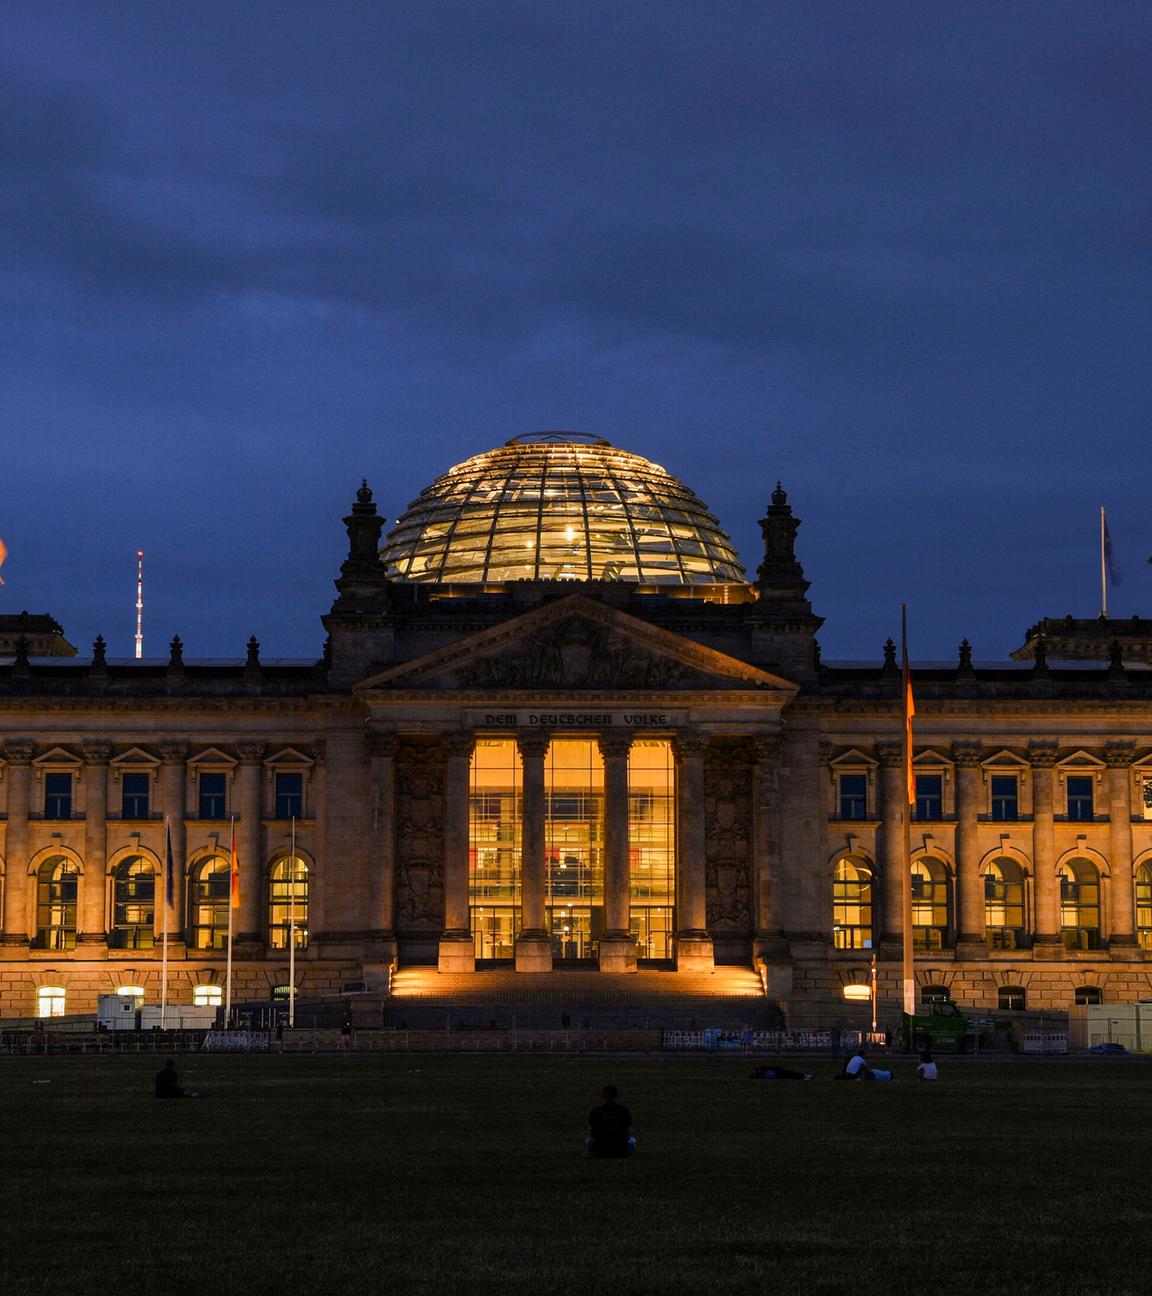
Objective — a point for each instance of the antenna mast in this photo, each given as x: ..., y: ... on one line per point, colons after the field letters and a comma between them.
x: 139, y: 603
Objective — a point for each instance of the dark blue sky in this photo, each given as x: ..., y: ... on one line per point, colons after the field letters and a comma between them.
x: 894, y: 254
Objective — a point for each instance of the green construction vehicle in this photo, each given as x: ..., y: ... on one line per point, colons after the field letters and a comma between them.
x: 939, y: 1025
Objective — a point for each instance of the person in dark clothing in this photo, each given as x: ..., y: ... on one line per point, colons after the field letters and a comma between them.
x: 167, y: 1083
x: 609, y: 1128
x: 777, y: 1072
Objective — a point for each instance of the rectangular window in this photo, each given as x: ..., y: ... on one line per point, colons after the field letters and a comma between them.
x: 1005, y: 798
x: 289, y: 796
x: 213, y: 795
x: 57, y: 796
x: 853, y: 796
x: 1080, y: 809
x: 929, y: 797
x: 134, y: 797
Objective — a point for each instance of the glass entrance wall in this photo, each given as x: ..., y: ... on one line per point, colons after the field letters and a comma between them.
x: 652, y: 846
x: 494, y: 850
x: 574, y: 847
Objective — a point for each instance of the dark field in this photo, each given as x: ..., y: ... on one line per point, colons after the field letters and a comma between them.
x: 449, y: 1174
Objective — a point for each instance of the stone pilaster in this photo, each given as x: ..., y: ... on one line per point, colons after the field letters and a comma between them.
x: 92, y: 934
x: 693, y: 943
x: 457, y: 950
x: 533, y: 943
x: 174, y: 803
x: 766, y: 856
x: 382, y: 757
x: 17, y: 916
x: 893, y: 861
x: 250, y: 925
x: 1122, y: 925
x: 971, y: 942
x: 617, y: 948
x: 1046, y: 937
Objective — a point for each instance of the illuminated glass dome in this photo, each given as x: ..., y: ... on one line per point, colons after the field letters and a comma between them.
x: 559, y: 506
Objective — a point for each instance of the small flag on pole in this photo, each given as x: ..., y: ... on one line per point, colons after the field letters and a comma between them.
x: 169, y: 867
x: 909, y: 711
x: 235, y: 888
x: 3, y: 555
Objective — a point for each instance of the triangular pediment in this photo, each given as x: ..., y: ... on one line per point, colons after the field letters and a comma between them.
x: 576, y: 643
x: 1081, y: 760
x: 853, y: 758
x: 1003, y: 759
x: 213, y: 757
x: 134, y: 757
x: 55, y: 757
x: 289, y: 756
x: 931, y: 758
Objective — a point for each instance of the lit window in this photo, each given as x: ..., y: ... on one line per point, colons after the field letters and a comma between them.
x: 207, y: 996
x: 1080, y: 808
x: 134, y: 796
x: 136, y: 992
x: 652, y: 846
x: 852, y: 905
x: 1080, y: 905
x: 1005, y: 798
x: 1144, y: 905
x: 50, y: 1001
x: 1088, y: 995
x: 133, y: 904
x: 1010, y: 999
x: 935, y: 994
x: 209, y: 897
x: 1004, y: 905
x: 853, y: 796
x: 288, y: 903
x: 929, y: 797
x: 56, y: 881
x: 289, y: 796
x: 57, y: 796
x: 494, y: 847
x: 213, y: 796
x: 929, y: 904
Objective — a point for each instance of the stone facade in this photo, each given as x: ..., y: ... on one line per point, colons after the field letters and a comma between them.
x: 789, y: 805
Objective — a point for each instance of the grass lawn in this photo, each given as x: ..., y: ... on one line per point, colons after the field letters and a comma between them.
x: 448, y: 1174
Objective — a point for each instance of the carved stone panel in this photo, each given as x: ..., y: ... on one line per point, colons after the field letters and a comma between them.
x: 419, y: 838
x: 728, y: 834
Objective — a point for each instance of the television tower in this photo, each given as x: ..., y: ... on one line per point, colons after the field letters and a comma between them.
x: 139, y: 603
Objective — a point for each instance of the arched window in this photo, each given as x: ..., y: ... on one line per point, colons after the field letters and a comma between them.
x: 56, y: 882
x: 929, y: 903
x: 1089, y: 995
x: 1004, y: 905
x: 50, y: 1001
x: 1010, y: 999
x: 1144, y: 901
x: 207, y: 996
x: 133, y: 904
x: 934, y: 994
x: 1080, y: 904
x: 852, y: 905
x: 288, y: 903
x: 208, y: 911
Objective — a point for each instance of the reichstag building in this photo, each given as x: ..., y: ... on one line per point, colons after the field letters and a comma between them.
x: 556, y: 725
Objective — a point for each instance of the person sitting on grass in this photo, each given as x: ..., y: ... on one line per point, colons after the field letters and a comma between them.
x: 167, y: 1082
x: 775, y: 1071
x: 927, y: 1068
x: 609, y: 1128
x: 857, y: 1068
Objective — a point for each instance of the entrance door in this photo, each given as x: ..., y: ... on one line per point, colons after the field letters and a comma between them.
x: 575, y: 931
x: 652, y: 930
x: 575, y: 847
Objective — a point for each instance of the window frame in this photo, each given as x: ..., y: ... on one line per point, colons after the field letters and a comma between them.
x: 140, y: 934
x: 1011, y: 998
x: 132, y: 812
x: 864, y: 903
x: 202, y: 796
x: 52, y: 897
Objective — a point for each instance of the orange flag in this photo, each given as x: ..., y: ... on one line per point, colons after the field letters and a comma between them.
x: 909, y: 710
x: 3, y: 555
x: 235, y: 888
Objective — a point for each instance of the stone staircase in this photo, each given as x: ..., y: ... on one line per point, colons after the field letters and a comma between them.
x: 425, y: 999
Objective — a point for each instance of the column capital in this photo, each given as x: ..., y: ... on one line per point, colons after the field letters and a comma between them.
x: 96, y: 751
x: 1042, y: 753
x: 890, y: 755
x: 381, y: 744
x: 689, y: 742
x: 967, y: 755
x: 1118, y: 755
x: 459, y: 744
x: 614, y: 744
x: 768, y: 748
x: 251, y: 753
x: 533, y: 743
x: 17, y: 751
x: 173, y: 753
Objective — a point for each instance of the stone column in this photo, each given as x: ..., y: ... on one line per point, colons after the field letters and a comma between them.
x: 92, y: 934
x: 17, y: 917
x: 617, y: 948
x: 534, y: 942
x: 382, y: 757
x: 893, y: 861
x: 457, y: 950
x: 1046, y: 935
x: 1122, y: 933
x: 971, y: 942
x: 766, y: 858
x: 693, y: 943
x: 249, y: 921
x: 174, y: 803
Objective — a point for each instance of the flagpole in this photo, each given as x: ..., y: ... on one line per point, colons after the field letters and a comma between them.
x: 228, y: 963
x: 908, y: 968
x: 164, y: 936
x: 1103, y: 567
x: 292, y: 931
